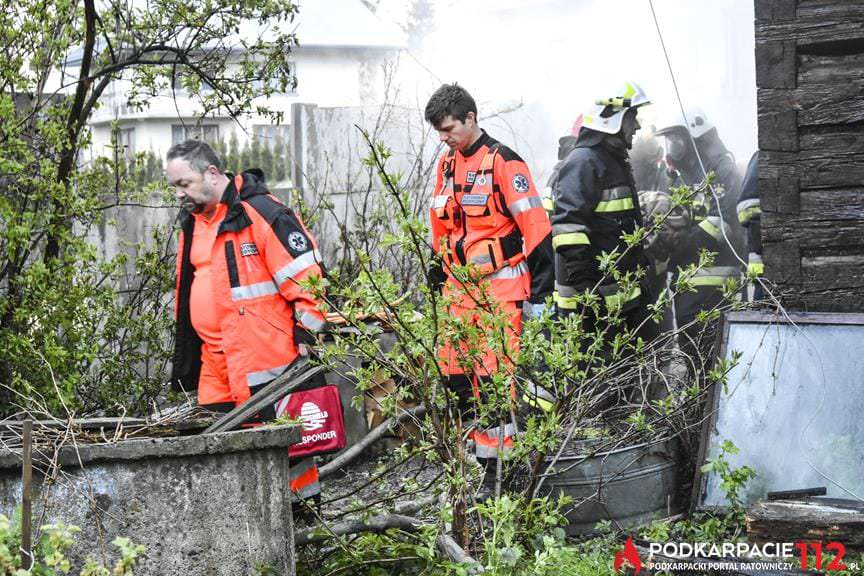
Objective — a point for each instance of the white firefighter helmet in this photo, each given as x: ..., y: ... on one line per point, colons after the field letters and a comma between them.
x: 607, y: 113
x: 694, y: 120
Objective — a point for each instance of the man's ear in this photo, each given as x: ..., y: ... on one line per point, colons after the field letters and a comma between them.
x: 472, y: 117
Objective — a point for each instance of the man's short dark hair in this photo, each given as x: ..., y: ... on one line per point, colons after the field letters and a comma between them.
x: 199, y: 155
x: 449, y: 100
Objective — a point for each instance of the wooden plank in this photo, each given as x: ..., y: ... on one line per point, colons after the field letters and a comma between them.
x: 817, y: 520
x: 811, y: 31
x: 779, y: 193
x: 843, y: 300
x: 771, y: 10
x: 296, y: 376
x: 816, y: 103
x: 809, y: 232
x: 825, y: 168
x: 776, y: 65
x: 830, y: 69
x: 826, y: 271
x: 842, y: 140
x: 834, y: 9
x: 782, y: 261
x: 778, y: 131
x: 833, y: 204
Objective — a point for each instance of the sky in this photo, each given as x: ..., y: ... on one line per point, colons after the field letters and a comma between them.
x: 552, y: 58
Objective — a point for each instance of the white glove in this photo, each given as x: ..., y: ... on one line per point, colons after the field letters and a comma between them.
x: 532, y: 311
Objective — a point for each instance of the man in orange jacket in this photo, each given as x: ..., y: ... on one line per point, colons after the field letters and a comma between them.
x: 485, y: 214
x: 240, y: 306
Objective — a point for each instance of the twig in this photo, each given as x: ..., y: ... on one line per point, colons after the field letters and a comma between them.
x: 350, y: 454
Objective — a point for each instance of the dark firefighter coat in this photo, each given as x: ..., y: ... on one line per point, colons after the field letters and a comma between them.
x: 595, y: 202
x: 750, y: 215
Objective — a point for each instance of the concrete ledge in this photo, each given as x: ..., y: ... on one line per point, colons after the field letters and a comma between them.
x: 206, y: 505
x: 221, y: 443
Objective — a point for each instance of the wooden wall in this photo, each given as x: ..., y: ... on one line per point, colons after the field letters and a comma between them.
x: 810, y: 78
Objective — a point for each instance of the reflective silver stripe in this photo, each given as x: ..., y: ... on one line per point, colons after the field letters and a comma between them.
x: 509, y: 430
x: 481, y: 259
x: 754, y: 258
x: 254, y: 290
x: 616, y: 193
x: 439, y: 201
x: 311, y: 321
x: 264, y: 376
x: 509, y: 272
x: 525, y: 204
x: 298, y: 469
x: 296, y: 266
x: 558, y: 229
x: 489, y: 452
x: 566, y: 291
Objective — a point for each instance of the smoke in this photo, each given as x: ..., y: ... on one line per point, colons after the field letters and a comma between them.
x: 551, y: 58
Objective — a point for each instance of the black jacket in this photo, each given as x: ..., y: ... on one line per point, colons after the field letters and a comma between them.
x: 595, y: 203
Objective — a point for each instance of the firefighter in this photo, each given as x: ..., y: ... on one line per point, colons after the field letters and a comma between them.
x: 595, y: 205
x: 693, y: 143
x: 750, y: 216
x: 486, y: 215
x: 689, y: 140
x: 240, y: 308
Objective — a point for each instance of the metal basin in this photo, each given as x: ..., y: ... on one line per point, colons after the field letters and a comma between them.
x: 628, y: 486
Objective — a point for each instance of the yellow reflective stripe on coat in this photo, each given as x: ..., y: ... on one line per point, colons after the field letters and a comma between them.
x: 566, y: 302
x: 747, y: 209
x: 711, y: 227
x: 755, y: 267
x: 615, y: 205
x: 570, y: 239
x: 715, y: 276
x: 619, y: 299
x: 615, y: 199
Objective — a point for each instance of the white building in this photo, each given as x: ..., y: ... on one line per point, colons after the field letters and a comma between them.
x: 342, y: 49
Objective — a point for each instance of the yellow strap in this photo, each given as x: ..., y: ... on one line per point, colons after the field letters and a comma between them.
x: 548, y: 204
x: 570, y: 239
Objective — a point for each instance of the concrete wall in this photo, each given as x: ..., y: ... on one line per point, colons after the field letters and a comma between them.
x: 214, y: 505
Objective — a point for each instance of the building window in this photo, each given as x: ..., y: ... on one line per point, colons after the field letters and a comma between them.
x: 206, y: 132
x: 126, y: 143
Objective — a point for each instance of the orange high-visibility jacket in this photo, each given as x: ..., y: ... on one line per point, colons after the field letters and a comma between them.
x: 487, y: 212
x: 261, y: 254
